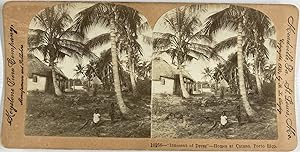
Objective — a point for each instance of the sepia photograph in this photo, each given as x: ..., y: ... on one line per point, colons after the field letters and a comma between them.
x: 213, y: 74
x: 150, y: 76
x: 89, y: 72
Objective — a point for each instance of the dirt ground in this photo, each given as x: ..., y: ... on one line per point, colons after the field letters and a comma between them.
x: 199, y: 117
x: 72, y: 114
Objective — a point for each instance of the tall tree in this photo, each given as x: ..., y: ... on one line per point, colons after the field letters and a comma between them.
x: 132, y: 30
x: 102, y: 68
x: 256, y: 46
x: 238, y: 19
x: 230, y: 73
x: 52, y: 36
x: 217, y: 75
x: 183, y: 42
x: 256, y: 31
x: 112, y: 16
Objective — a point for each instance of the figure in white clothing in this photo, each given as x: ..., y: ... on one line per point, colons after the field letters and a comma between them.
x: 223, y: 119
x: 96, y: 116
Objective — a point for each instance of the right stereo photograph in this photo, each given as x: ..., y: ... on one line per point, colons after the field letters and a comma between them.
x: 213, y: 74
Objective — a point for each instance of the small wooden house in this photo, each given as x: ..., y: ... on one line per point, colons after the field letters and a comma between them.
x: 40, y: 77
x: 165, y: 78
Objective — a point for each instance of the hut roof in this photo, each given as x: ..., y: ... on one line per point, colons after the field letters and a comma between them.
x: 96, y: 80
x: 59, y: 71
x: 36, y: 66
x: 223, y: 83
x: 161, y: 68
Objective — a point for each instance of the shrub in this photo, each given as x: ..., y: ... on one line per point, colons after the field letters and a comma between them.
x: 269, y: 89
x: 144, y: 87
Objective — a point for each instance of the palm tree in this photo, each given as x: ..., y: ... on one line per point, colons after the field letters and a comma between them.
x: 256, y: 47
x: 90, y: 70
x: 224, y: 19
x: 207, y: 73
x: 242, y: 20
x: 101, y: 68
x: 230, y: 73
x: 133, y: 50
x: 118, y: 18
x: 218, y: 75
x: 131, y: 47
x: 144, y: 69
x: 269, y: 73
x: 106, y: 15
x: 182, y: 42
x: 79, y: 70
x: 54, y: 39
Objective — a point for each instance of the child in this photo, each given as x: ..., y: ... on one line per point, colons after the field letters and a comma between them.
x: 96, y: 116
x: 96, y: 119
x: 223, y: 119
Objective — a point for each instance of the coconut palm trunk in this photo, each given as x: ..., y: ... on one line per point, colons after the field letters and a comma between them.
x: 184, y: 92
x: 257, y: 78
x: 115, y: 67
x: 132, y: 77
x: 250, y: 112
x: 216, y: 87
x: 55, y: 85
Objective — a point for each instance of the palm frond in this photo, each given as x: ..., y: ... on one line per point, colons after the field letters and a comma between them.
x: 98, y: 40
x: 200, y: 36
x: 147, y: 39
x: 269, y: 32
x: 138, y: 49
x: 70, y: 52
x: 99, y: 13
x: 37, y: 37
x: 143, y: 27
x: 264, y: 52
x: 221, y: 20
x: 38, y: 32
x: 272, y: 43
x: 226, y: 44
x: 161, y: 44
x: 197, y: 8
x: 70, y: 33
x: 165, y: 35
x: 200, y: 47
x: 195, y: 54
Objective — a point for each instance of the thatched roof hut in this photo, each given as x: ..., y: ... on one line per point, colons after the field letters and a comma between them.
x: 161, y: 68
x: 223, y: 83
x: 36, y: 66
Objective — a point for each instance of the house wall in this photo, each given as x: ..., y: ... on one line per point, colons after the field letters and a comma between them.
x: 40, y: 85
x: 159, y: 87
x: 79, y: 88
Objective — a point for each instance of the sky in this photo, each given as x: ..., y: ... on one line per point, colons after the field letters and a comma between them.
x: 195, y: 67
